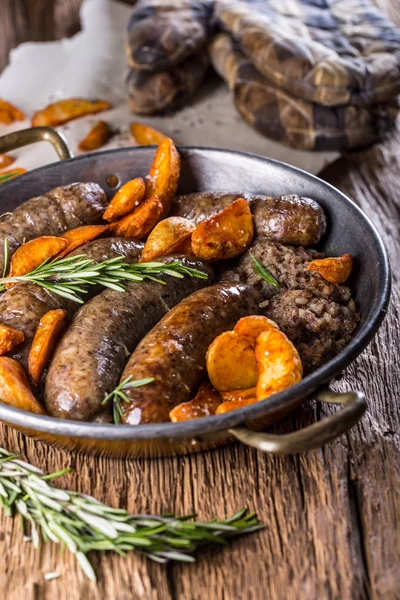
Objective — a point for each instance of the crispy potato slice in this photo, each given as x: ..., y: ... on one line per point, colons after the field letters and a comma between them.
x: 31, y: 254
x: 10, y: 113
x: 62, y: 111
x: 234, y: 405
x: 98, y: 135
x: 141, y: 221
x: 128, y: 197
x: 334, y: 270
x: 204, y: 404
x: 6, y: 160
x: 231, y: 363
x: 163, y: 177
x: 80, y: 236
x: 250, y: 327
x: 234, y: 395
x: 11, y: 173
x: 278, y: 361
x: 9, y: 338
x: 146, y: 135
x: 168, y: 236
x: 226, y: 234
x: 15, y: 389
x: 48, y: 332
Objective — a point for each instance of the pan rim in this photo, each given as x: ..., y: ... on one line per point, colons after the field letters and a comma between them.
x: 207, y: 425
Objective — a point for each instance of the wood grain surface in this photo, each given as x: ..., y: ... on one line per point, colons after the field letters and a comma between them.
x: 332, y: 516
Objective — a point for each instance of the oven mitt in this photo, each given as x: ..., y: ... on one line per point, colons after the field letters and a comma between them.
x: 163, y: 91
x: 331, y: 52
x: 163, y: 33
x: 295, y: 121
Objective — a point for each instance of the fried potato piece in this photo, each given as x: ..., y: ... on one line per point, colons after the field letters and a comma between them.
x: 10, y: 113
x: 80, y: 236
x: 163, y: 177
x: 128, y: 197
x: 334, y: 270
x: 32, y: 254
x: 62, y: 111
x: 146, y: 135
x: 231, y: 363
x: 99, y: 135
x: 168, y: 237
x: 234, y: 405
x: 48, y: 332
x: 234, y: 395
x: 250, y: 327
x: 15, y: 389
x: 141, y: 221
x: 9, y: 338
x: 226, y: 234
x: 11, y: 173
x: 6, y: 160
x: 204, y: 404
x: 278, y: 362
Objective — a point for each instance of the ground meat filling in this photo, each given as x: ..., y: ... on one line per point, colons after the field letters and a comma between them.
x: 319, y: 317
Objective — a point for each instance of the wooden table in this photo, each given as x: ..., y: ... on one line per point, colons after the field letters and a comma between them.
x: 332, y: 516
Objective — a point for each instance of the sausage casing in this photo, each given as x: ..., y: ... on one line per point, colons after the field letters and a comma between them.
x: 174, y: 351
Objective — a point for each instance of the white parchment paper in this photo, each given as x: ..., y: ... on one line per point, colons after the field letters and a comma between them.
x: 92, y: 64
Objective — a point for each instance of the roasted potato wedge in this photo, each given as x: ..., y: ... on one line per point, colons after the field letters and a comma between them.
x: 6, y: 160
x: 231, y: 363
x: 98, y: 135
x: 146, y: 135
x: 234, y: 405
x: 49, y: 331
x: 225, y: 235
x: 10, y: 113
x: 128, y: 197
x: 163, y: 177
x: 168, y: 237
x: 80, y: 236
x: 278, y: 362
x: 234, y: 395
x: 250, y: 327
x: 334, y: 270
x: 203, y: 404
x: 62, y: 111
x: 141, y: 221
x: 15, y: 389
x: 33, y: 253
x: 9, y: 338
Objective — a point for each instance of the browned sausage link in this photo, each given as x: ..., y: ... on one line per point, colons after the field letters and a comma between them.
x: 174, y: 352
x: 285, y: 219
x: 93, y: 352
x: 23, y: 305
x: 61, y: 209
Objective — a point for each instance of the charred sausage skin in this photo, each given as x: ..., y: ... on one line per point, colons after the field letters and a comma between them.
x: 174, y: 352
x: 23, y: 305
x: 285, y: 219
x: 93, y: 352
x: 57, y: 211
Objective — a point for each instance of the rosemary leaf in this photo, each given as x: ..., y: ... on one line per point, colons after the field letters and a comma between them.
x: 262, y: 271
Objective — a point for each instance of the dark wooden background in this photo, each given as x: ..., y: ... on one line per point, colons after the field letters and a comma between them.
x: 332, y: 516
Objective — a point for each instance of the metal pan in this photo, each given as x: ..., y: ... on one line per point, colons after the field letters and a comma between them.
x: 222, y: 170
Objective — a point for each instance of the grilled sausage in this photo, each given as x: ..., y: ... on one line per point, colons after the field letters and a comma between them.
x: 174, y: 352
x: 92, y: 354
x: 61, y: 209
x: 285, y: 219
x: 23, y: 305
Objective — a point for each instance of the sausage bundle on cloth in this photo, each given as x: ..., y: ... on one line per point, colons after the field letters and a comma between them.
x: 91, y: 356
x: 23, y: 305
x: 64, y: 208
x: 174, y: 351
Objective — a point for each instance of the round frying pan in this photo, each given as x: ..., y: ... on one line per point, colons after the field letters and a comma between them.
x: 218, y: 170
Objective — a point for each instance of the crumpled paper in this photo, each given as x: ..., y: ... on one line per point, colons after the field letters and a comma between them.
x: 92, y: 64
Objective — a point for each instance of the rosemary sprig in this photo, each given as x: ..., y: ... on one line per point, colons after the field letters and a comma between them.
x: 82, y: 523
x: 9, y: 175
x: 118, y: 394
x: 70, y: 276
x: 262, y: 271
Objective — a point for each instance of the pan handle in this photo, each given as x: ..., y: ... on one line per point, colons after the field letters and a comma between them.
x: 314, y: 436
x: 24, y: 137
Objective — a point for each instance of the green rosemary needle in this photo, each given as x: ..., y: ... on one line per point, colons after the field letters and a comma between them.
x: 6, y: 176
x: 83, y: 524
x: 262, y: 271
x: 118, y: 394
x: 68, y: 277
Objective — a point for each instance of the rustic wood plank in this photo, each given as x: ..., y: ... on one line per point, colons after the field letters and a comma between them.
x: 332, y: 516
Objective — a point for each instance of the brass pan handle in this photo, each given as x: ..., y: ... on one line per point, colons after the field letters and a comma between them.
x: 313, y: 436
x: 24, y: 137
